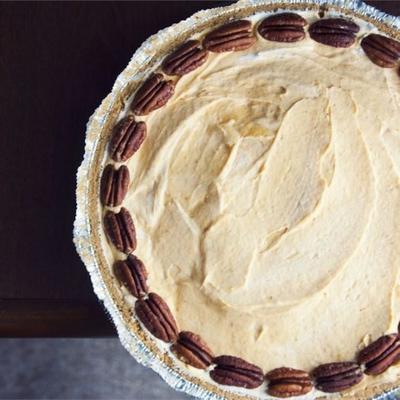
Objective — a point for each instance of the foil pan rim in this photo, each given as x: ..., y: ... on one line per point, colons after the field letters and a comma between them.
x: 82, y: 228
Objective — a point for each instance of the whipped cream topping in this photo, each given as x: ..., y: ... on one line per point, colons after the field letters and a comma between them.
x: 266, y: 199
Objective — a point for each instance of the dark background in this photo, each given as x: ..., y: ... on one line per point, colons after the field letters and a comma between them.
x: 57, y: 62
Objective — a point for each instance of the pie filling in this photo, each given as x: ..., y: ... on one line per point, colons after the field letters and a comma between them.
x: 266, y: 202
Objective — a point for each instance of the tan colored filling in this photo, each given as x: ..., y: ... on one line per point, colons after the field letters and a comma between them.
x: 266, y: 199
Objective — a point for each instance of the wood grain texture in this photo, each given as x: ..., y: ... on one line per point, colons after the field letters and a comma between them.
x: 53, y: 318
x: 57, y: 62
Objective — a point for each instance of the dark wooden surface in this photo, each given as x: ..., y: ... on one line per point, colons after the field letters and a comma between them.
x: 57, y: 62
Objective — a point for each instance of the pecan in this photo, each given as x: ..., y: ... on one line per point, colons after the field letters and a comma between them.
x: 381, y: 50
x: 284, y: 27
x: 127, y: 137
x: 114, y: 185
x: 234, y: 36
x: 234, y: 371
x: 380, y: 355
x: 156, y: 316
x: 133, y: 275
x: 153, y: 94
x: 335, y: 32
x: 185, y: 59
x: 121, y: 230
x: 191, y: 349
x: 288, y: 382
x: 335, y: 377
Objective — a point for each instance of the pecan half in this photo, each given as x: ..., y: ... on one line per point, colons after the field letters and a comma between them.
x: 234, y: 371
x: 133, y: 275
x: 335, y: 32
x: 335, y: 377
x: 380, y: 355
x: 153, y: 94
x: 156, y: 316
x: 381, y: 50
x: 114, y: 185
x: 185, y: 59
x: 127, y: 137
x: 284, y: 27
x: 234, y: 36
x: 121, y: 230
x: 191, y: 349
x: 288, y: 382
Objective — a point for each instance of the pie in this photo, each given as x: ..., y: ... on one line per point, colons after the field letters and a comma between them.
x: 250, y: 199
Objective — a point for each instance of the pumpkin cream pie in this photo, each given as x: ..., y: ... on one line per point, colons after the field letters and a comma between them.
x: 251, y: 203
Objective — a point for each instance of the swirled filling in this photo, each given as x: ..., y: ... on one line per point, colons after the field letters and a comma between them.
x: 266, y: 199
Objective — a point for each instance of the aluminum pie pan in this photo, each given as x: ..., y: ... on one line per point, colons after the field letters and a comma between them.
x: 88, y: 227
